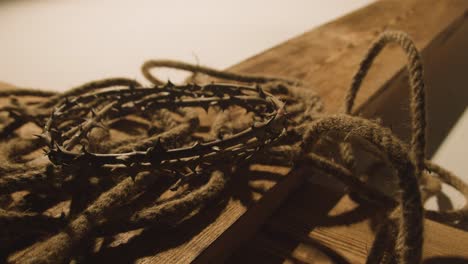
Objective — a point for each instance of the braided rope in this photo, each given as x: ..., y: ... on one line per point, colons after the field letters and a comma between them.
x: 283, y: 126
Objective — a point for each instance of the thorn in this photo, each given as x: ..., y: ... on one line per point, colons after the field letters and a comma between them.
x: 260, y: 91
x: 62, y: 215
x: 58, y: 114
x: 55, y: 135
x: 52, y: 143
x: 198, y: 169
x: 223, y: 105
x: 197, y: 143
x: 205, y: 107
x: 215, y: 148
x: 101, y: 125
x: 58, y: 148
x: 154, y: 152
x: 41, y: 136
x: 169, y: 84
x: 84, y: 150
x: 82, y: 119
x: 159, y: 145
x: 176, y: 185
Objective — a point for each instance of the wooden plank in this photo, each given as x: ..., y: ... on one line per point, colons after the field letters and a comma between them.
x: 326, y: 58
x: 299, y: 231
x: 329, y: 72
x: 307, y: 230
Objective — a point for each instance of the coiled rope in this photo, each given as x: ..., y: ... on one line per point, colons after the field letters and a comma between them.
x: 105, y: 178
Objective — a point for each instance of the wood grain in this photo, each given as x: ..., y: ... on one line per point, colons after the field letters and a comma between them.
x: 302, y: 231
x: 337, y: 230
x: 327, y: 58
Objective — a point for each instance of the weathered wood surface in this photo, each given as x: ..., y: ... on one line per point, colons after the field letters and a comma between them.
x: 319, y: 225
x: 326, y: 58
x: 303, y: 229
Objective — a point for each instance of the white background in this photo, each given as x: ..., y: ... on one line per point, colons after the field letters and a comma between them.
x: 57, y: 44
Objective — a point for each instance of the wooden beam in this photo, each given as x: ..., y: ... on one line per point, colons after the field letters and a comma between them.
x: 319, y: 225
x: 328, y: 56
x: 302, y: 229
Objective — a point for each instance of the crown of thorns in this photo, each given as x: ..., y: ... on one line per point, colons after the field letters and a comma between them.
x: 73, y: 119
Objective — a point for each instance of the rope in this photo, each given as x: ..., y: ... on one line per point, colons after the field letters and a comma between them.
x: 168, y: 150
